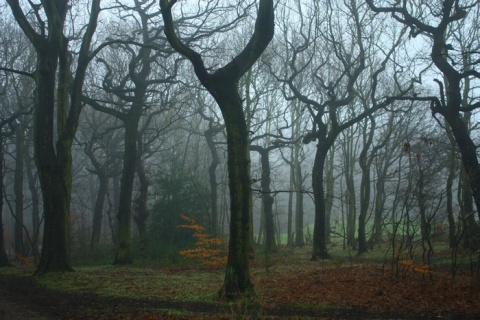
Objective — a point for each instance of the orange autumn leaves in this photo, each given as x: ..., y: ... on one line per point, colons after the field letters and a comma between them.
x: 208, y: 250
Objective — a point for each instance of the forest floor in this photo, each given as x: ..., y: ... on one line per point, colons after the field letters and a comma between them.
x: 287, y: 284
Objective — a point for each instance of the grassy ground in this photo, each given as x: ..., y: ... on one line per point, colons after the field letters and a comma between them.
x: 287, y: 283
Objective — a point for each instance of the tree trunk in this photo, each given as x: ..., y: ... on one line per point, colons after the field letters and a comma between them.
x: 319, y: 231
x: 364, y: 204
x: 3, y: 254
x: 18, y: 188
x: 449, y: 190
x: 267, y: 199
x: 237, y: 276
x: 54, y: 169
x: 34, y: 194
x: 329, y: 192
x: 380, y: 197
x: 98, y: 211
x: 212, y: 175
x: 365, y: 184
x: 299, y: 234
x: 223, y: 86
x: 52, y: 99
x: 141, y: 211
x: 350, y: 196
x: 124, y: 253
x: 290, y: 206
x: 466, y: 211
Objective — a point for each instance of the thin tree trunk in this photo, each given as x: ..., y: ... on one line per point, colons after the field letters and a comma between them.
x: 18, y: 188
x: 450, y: 179
x: 98, y: 211
x: 329, y: 191
x: 299, y: 234
x: 3, y: 254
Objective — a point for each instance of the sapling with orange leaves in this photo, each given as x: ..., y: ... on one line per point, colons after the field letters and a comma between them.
x: 208, y: 250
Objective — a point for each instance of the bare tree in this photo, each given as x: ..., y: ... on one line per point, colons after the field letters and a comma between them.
x: 222, y: 84
x: 441, y: 25
x: 337, y: 60
x: 53, y: 147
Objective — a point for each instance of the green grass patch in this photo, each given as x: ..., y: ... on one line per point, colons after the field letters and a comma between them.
x: 137, y: 282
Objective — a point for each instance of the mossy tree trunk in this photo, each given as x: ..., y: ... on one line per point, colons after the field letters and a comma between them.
x: 223, y: 86
x: 55, y: 95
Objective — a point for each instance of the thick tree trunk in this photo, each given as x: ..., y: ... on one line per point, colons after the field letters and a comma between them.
x: 237, y: 276
x: 54, y: 168
x: 52, y: 99
x: 471, y: 168
x: 319, y: 231
x: 223, y: 86
x: 124, y: 254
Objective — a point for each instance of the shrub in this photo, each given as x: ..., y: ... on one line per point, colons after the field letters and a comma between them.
x: 208, y: 250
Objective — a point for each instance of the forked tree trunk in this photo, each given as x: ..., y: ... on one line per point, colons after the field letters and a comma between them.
x: 57, y: 110
x: 223, y: 86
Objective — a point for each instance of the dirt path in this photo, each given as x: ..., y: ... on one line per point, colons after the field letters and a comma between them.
x: 10, y: 310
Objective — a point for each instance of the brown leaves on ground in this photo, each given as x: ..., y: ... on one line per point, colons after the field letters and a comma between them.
x: 370, y: 289
x: 289, y: 286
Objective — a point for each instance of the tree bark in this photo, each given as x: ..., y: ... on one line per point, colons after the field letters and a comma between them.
x: 299, y: 234
x: 98, y: 210
x: 18, y: 189
x: 223, y: 86
x: 3, y: 254
x: 320, y: 224
x: 267, y: 199
x: 212, y: 175
x: 53, y: 149
x: 141, y: 211
x: 34, y: 194
x: 124, y: 254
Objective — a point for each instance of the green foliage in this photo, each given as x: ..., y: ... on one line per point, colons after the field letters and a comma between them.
x: 103, y: 254
x: 176, y: 193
